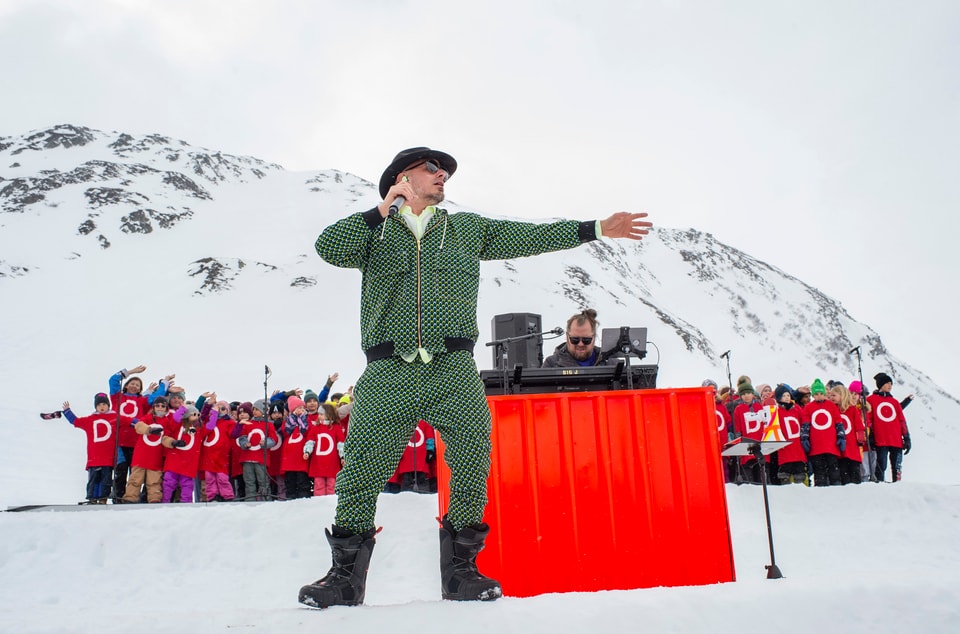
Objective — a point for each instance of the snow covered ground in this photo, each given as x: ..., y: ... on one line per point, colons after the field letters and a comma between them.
x: 869, y: 558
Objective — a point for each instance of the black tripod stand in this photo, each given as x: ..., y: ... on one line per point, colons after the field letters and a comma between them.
x: 758, y: 449
x: 503, y: 350
x: 625, y: 347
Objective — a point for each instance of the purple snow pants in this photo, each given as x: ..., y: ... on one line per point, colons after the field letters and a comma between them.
x: 172, y: 481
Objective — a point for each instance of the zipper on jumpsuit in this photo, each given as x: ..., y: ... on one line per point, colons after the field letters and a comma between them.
x: 419, y: 266
x: 420, y: 279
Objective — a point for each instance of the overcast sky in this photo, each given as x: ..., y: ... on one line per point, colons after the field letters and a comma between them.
x: 821, y: 136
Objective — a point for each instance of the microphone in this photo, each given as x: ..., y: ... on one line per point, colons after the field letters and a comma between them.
x: 557, y: 331
x: 857, y: 349
x: 725, y: 355
x: 397, y: 203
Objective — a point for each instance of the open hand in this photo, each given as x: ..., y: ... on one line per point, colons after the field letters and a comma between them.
x: 626, y: 225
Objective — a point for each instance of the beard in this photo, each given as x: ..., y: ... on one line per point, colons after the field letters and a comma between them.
x: 580, y: 355
x: 433, y: 199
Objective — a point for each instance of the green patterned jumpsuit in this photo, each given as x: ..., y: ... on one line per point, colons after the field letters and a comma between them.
x: 418, y: 323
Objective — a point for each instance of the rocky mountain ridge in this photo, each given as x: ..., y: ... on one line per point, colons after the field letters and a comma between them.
x: 214, y: 226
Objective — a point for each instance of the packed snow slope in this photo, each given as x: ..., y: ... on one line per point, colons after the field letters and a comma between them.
x: 870, y: 558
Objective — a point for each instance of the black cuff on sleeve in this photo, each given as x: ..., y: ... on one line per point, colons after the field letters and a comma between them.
x: 372, y: 217
x: 587, y: 231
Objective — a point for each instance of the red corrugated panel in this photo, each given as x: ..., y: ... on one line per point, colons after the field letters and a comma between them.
x: 603, y: 491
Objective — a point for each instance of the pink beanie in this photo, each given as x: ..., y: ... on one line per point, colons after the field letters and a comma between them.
x: 856, y: 387
x: 294, y: 402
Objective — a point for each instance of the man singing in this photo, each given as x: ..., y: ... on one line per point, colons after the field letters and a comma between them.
x: 418, y: 322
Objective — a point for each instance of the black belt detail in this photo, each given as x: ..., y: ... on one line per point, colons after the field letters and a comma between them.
x: 386, y: 349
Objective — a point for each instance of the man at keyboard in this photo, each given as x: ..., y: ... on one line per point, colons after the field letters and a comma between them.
x: 580, y: 347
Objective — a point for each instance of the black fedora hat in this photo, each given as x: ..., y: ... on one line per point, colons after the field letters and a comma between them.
x: 408, y: 157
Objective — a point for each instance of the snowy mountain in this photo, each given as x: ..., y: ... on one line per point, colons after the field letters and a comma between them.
x: 117, y: 250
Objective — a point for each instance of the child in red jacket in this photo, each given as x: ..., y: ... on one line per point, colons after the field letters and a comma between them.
x: 822, y: 436
x: 184, y: 441
x: 294, y: 454
x: 253, y: 436
x: 215, y: 454
x: 853, y: 428
x: 147, y: 460
x: 276, y: 412
x: 748, y: 422
x: 127, y: 398
x: 416, y: 470
x: 101, y: 430
x: 889, y: 426
x: 793, y: 459
x: 324, y: 449
x: 723, y: 419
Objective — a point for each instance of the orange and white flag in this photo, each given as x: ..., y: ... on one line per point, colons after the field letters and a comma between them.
x: 773, y: 431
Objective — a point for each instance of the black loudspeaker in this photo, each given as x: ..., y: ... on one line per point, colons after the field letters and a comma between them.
x: 526, y: 352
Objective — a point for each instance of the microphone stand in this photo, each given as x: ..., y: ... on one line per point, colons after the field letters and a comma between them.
x: 871, y: 456
x: 502, y: 347
x: 268, y: 494
x: 736, y: 461
x: 758, y: 449
x: 726, y: 355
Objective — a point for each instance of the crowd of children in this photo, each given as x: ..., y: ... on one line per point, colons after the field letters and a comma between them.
x: 153, y: 445
x: 837, y: 434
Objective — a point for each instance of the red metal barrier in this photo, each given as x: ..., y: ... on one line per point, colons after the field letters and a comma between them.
x: 603, y: 491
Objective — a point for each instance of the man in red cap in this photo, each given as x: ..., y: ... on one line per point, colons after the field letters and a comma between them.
x: 418, y: 322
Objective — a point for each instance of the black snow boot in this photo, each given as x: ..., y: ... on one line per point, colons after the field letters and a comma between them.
x: 459, y: 578
x: 346, y: 583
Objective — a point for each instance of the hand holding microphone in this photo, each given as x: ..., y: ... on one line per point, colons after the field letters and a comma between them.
x: 399, y: 194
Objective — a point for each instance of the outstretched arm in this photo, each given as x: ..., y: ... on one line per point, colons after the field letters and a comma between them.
x: 325, y: 392
x: 68, y: 413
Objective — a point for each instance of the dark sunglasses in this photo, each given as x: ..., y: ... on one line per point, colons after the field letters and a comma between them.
x: 431, y: 164
x: 576, y: 340
x: 160, y: 405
